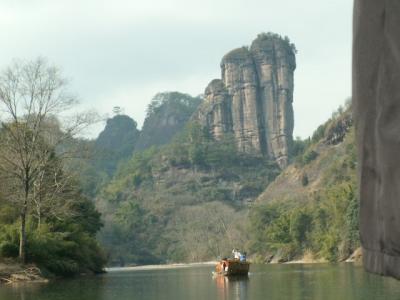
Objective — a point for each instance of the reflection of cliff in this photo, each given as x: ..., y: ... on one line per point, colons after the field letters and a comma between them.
x: 253, y: 100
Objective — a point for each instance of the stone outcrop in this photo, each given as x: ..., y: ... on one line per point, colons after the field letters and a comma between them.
x: 216, y: 109
x: 253, y: 100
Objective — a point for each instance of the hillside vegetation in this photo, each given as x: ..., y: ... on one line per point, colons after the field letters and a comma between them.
x: 312, y: 208
x: 167, y: 114
x: 196, y: 198
x: 185, y: 201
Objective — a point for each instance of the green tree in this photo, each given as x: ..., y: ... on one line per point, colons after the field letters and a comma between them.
x: 31, y: 94
x: 196, y: 144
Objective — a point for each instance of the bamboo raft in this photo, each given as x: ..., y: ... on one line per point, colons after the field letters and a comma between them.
x: 232, y: 267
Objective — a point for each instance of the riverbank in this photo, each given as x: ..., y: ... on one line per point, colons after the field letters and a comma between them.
x: 13, y: 272
x: 160, y: 267
x: 307, y: 258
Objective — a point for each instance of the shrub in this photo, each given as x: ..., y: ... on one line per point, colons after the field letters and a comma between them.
x: 319, y: 133
x: 304, y: 180
x: 309, y: 156
x: 64, y: 254
x: 8, y: 249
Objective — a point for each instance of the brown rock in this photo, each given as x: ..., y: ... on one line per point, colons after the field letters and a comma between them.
x: 215, y: 112
x: 254, y: 98
x: 356, y: 256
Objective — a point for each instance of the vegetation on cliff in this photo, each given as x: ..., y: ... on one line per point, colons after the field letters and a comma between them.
x: 99, y: 159
x: 189, y: 193
x: 182, y: 202
x: 196, y: 198
x: 312, y: 207
x: 115, y: 143
x: 167, y: 114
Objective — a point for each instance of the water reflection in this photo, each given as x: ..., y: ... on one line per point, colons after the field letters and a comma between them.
x: 232, y: 287
x: 272, y: 282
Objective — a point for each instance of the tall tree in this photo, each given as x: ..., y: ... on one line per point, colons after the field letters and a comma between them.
x: 33, y: 97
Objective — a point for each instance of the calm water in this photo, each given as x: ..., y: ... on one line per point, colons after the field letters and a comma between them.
x: 325, y: 282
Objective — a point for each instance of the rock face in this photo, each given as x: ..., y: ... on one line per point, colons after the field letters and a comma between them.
x: 216, y: 113
x: 253, y: 100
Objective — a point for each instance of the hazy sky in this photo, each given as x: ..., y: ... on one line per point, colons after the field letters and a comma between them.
x: 122, y: 52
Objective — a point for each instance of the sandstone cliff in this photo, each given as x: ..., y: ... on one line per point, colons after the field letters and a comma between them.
x: 253, y: 100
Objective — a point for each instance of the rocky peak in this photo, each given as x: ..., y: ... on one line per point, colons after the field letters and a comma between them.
x: 253, y: 100
x: 167, y: 114
x: 121, y: 130
x: 215, y: 87
x: 116, y: 142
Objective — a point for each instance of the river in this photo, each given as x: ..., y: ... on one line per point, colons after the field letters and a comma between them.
x: 271, y: 282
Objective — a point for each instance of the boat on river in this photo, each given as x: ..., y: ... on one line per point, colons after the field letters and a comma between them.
x: 232, y: 267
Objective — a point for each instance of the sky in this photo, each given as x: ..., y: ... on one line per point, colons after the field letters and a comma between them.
x: 123, y: 52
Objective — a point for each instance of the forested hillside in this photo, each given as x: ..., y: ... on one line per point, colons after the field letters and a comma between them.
x: 196, y: 198
x: 115, y: 143
x: 167, y: 114
x: 185, y: 201
x: 311, y: 208
x: 99, y: 158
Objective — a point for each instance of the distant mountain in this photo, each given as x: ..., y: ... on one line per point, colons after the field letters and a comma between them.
x: 184, y: 201
x: 167, y: 115
x: 115, y: 143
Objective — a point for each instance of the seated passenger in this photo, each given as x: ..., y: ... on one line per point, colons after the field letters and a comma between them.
x: 243, y: 256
